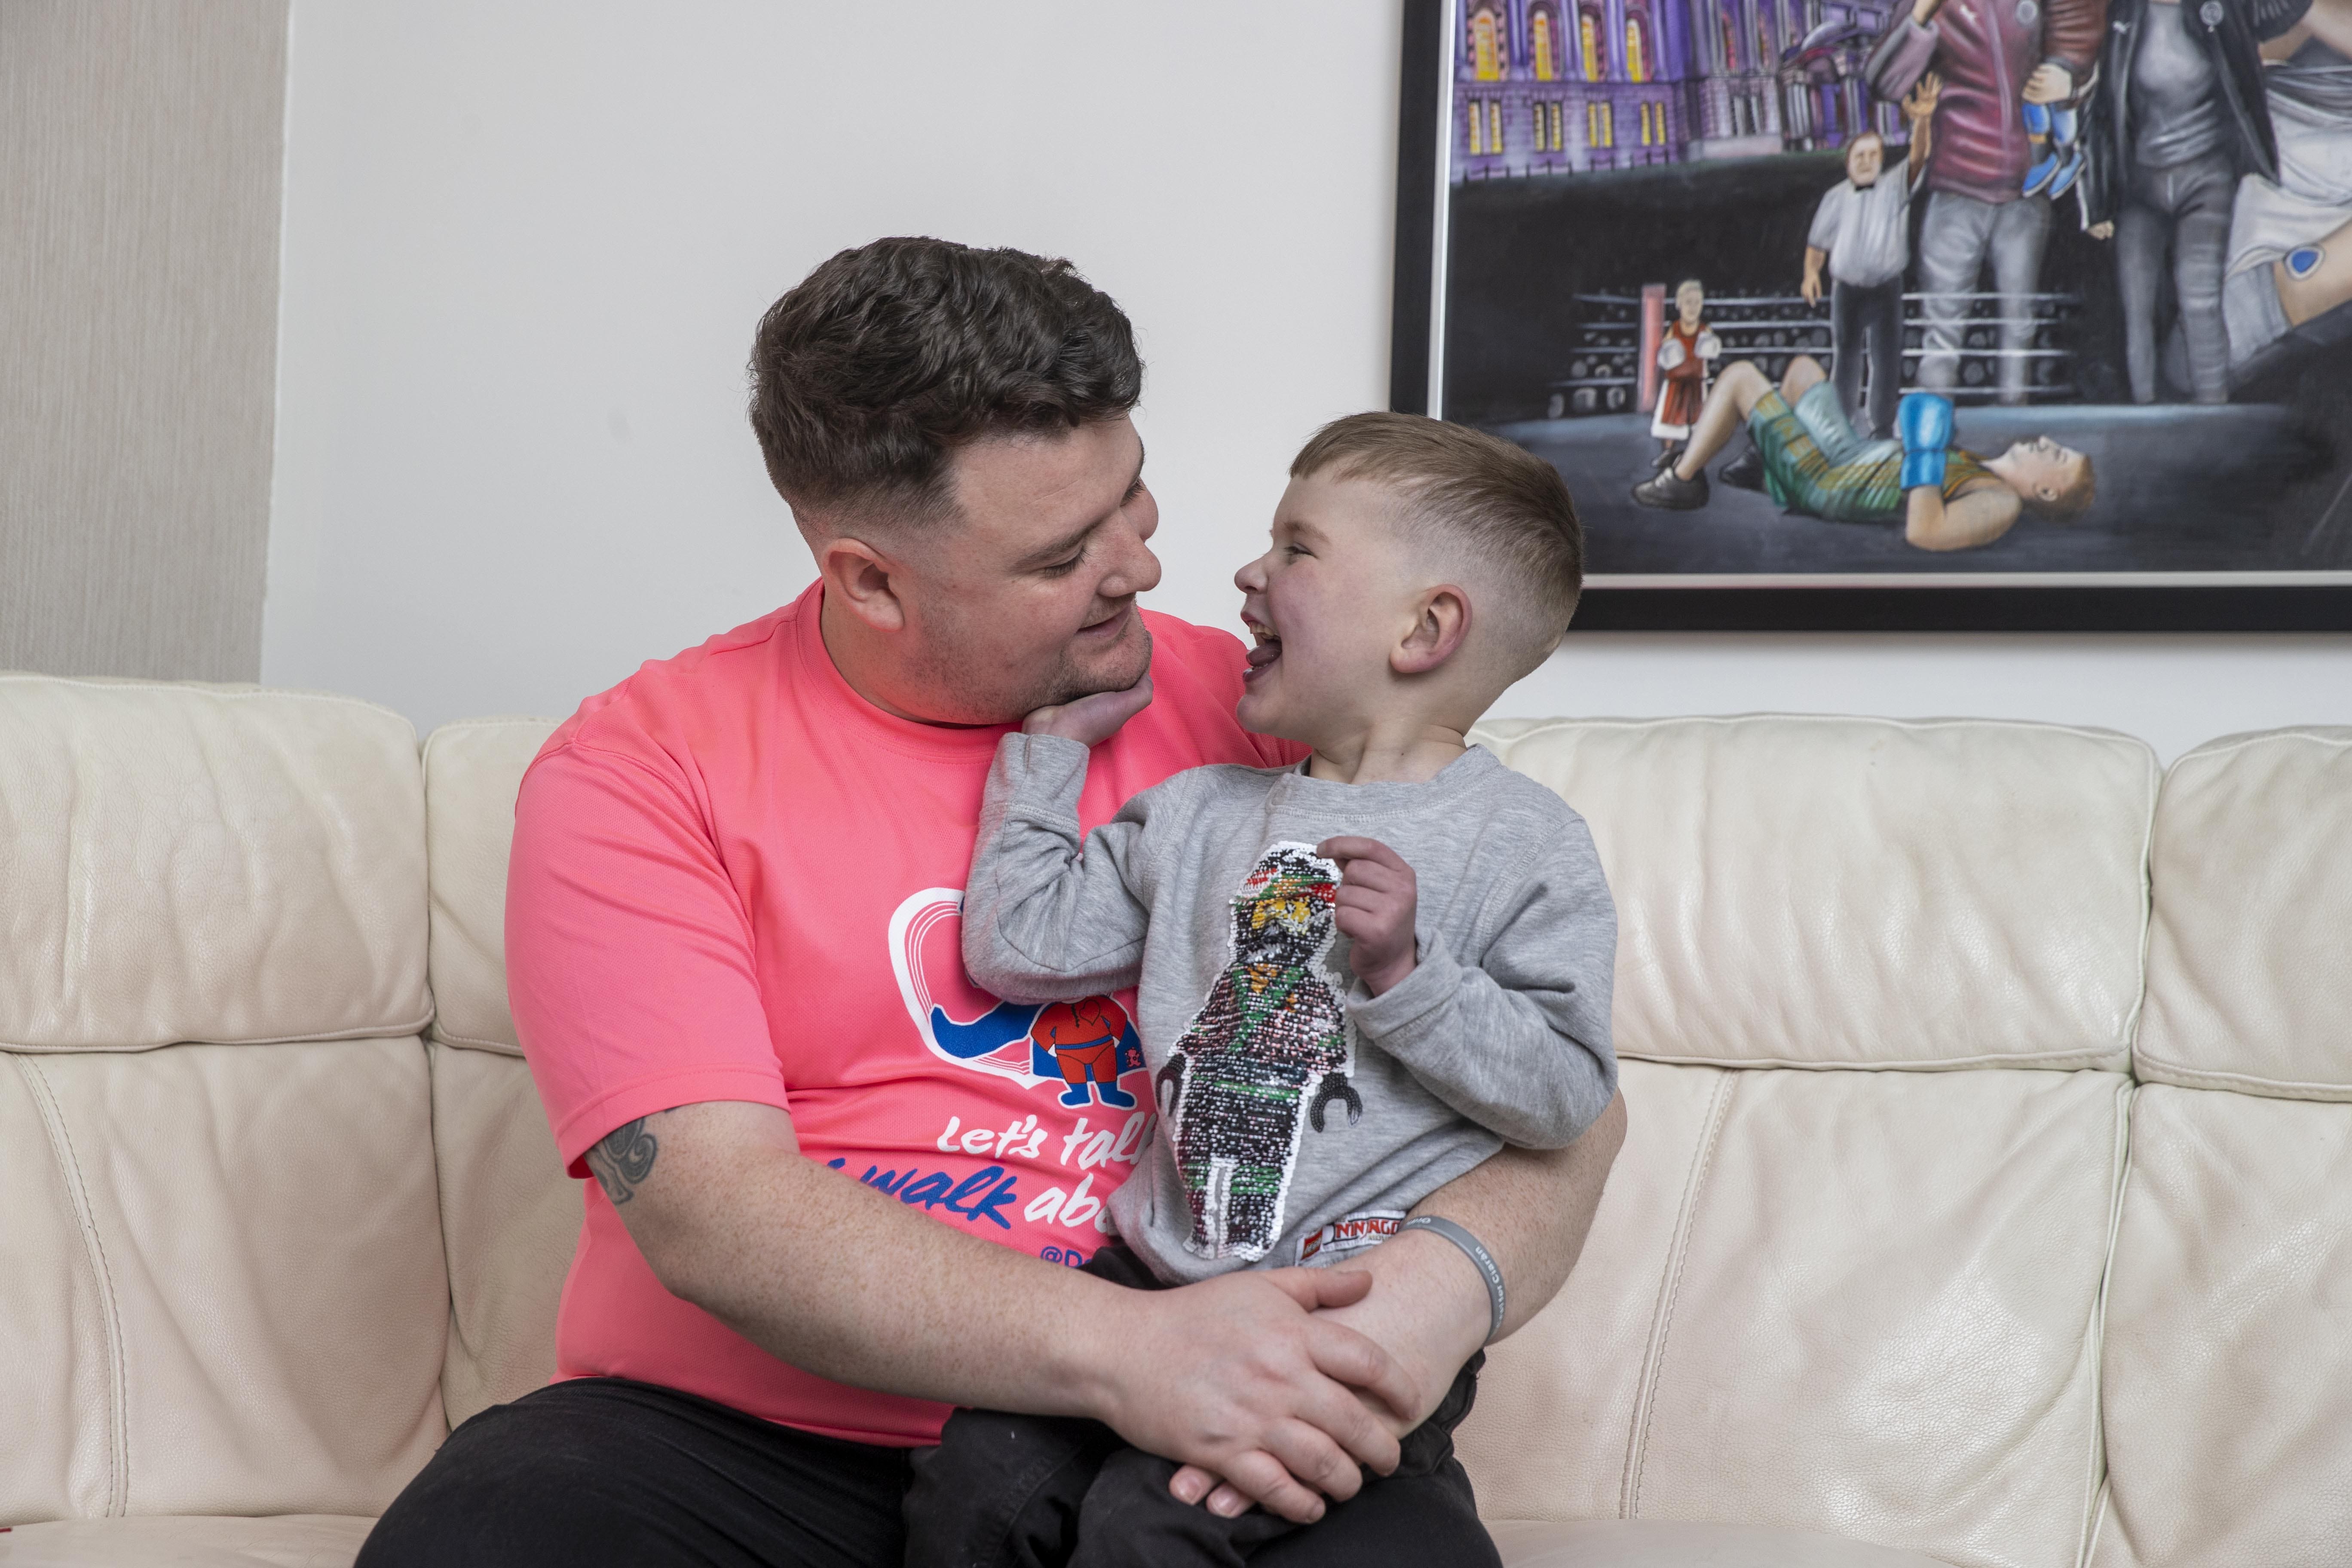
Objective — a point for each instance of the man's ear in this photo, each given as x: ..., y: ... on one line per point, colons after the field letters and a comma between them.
x: 861, y: 576
x: 1440, y: 625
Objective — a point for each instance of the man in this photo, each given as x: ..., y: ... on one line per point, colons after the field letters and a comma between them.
x: 731, y: 949
x: 1861, y: 232
x: 1995, y: 57
x: 1812, y: 462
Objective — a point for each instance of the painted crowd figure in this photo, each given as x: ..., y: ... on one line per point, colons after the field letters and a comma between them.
x: 1686, y: 356
x: 1994, y: 57
x: 2179, y: 117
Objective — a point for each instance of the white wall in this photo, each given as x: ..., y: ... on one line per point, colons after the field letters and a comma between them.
x: 526, y: 245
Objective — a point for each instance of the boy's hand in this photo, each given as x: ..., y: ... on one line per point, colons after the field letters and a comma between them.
x: 1378, y: 896
x: 1090, y: 720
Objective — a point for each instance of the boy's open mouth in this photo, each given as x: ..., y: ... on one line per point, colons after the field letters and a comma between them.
x: 1261, y: 657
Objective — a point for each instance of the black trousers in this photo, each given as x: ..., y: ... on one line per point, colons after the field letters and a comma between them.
x: 603, y: 1471
x: 1872, y: 316
x: 1004, y: 1491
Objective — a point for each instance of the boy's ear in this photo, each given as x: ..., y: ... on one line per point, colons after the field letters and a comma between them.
x: 1440, y: 625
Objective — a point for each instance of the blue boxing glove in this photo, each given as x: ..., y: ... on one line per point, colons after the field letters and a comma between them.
x: 1924, y: 421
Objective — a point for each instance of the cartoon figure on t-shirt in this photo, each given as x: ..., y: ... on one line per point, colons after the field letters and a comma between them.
x: 1085, y: 1046
x: 1087, y: 1042
x: 1272, y: 1025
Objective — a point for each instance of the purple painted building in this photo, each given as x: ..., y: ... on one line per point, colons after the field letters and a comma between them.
x: 1557, y: 87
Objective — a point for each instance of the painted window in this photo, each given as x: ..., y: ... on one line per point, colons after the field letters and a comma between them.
x: 1494, y: 125
x: 1600, y: 125
x: 1730, y: 41
x: 1557, y: 144
x: 1486, y: 46
x: 1588, y: 38
x: 1637, y: 49
x: 1543, y: 45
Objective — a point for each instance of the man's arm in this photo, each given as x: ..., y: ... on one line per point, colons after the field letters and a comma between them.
x: 1428, y: 1305
x: 829, y: 1275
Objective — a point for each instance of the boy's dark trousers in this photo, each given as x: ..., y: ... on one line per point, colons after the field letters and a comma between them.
x: 1034, y: 1491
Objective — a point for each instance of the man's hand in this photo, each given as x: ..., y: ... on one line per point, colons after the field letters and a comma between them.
x: 2102, y: 229
x: 2050, y: 83
x: 1924, y: 11
x: 1091, y: 720
x: 1919, y: 103
x: 1234, y: 1372
x: 1811, y: 287
x: 1428, y: 1307
x: 1378, y: 896
x: 1207, y: 1363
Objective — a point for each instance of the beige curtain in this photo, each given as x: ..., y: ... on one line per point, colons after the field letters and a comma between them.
x: 141, y: 144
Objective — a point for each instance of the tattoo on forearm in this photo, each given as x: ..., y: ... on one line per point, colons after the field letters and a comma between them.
x: 622, y: 1159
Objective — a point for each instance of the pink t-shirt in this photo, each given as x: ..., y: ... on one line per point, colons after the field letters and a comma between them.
x: 735, y: 878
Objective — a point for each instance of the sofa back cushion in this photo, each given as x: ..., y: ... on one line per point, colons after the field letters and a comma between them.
x: 223, y: 1233
x: 511, y: 1216
x: 2228, y: 1380
x: 1846, y: 1274
x: 1859, y: 893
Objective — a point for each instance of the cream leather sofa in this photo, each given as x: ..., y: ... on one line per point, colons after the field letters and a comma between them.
x: 1976, y: 1208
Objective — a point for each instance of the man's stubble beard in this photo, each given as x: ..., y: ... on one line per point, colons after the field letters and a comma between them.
x: 966, y: 701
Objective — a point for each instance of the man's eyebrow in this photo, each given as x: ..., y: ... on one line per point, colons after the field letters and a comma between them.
x: 1047, y: 554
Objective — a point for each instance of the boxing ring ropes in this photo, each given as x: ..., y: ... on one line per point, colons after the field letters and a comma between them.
x: 1612, y: 367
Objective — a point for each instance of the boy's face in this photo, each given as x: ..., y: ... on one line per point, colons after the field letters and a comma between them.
x: 1325, y: 605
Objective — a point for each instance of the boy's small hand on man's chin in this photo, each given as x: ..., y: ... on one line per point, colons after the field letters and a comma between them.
x: 1378, y: 897
x: 1092, y: 719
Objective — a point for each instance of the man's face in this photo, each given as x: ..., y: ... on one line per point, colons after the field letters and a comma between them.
x: 1027, y: 598
x: 1864, y: 159
x: 1690, y: 301
x: 2047, y: 467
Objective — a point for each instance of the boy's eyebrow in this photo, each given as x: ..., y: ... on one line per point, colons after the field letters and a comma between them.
x: 1046, y: 555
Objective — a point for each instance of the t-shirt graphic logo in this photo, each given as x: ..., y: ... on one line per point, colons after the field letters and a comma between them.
x: 1239, y: 1076
x: 1084, y: 1045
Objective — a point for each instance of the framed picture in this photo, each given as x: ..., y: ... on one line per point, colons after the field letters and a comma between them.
x: 1877, y: 314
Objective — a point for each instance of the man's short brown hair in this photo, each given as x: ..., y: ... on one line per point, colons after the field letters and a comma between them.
x: 1464, y: 494
x: 874, y: 368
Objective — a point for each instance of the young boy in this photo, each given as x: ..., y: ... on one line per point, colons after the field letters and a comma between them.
x: 1356, y: 978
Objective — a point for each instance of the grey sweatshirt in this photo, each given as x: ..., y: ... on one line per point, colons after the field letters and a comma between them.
x: 1299, y: 1116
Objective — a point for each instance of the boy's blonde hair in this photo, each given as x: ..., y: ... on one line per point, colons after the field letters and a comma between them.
x: 1466, y: 496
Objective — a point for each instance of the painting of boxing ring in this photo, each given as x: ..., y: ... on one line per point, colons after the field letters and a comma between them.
x: 1933, y: 313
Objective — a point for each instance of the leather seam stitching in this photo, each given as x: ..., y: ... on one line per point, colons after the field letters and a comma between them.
x: 2048, y: 1061
x: 2183, y: 1076
x: 365, y: 1032
x: 450, y: 1038
x: 61, y: 1149
x: 1669, y: 1293
x: 2095, y: 1481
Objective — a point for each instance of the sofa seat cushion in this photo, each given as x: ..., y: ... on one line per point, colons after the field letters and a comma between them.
x: 1674, y: 1543
x: 1858, y: 1303
x: 186, y: 1541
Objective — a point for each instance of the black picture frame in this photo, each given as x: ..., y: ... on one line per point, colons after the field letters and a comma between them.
x: 2202, y: 605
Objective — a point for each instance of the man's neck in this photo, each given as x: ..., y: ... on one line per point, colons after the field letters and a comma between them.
x: 861, y: 659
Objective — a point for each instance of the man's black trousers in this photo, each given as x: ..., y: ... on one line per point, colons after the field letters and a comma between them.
x: 604, y: 1472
